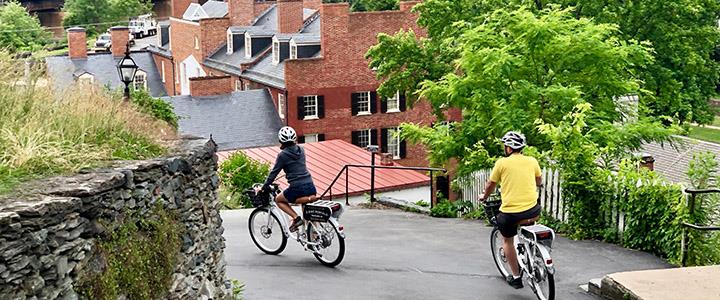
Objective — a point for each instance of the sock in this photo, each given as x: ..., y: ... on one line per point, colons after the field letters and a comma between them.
x: 516, y: 277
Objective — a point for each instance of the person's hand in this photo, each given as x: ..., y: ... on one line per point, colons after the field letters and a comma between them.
x: 483, y: 198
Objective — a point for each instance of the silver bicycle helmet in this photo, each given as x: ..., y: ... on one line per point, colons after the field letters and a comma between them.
x: 287, y: 134
x: 514, y: 140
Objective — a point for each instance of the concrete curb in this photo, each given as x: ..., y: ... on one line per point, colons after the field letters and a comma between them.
x: 403, y: 204
x: 672, y: 283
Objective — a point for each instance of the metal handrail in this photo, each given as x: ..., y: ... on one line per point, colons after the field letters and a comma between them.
x: 691, y: 208
x: 347, y: 167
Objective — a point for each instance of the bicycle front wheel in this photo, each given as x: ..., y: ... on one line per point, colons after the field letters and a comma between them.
x: 266, y: 231
x: 542, y: 280
x: 496, y: 246
x: 330, y: 250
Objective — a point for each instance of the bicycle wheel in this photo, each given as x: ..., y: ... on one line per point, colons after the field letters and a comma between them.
x: 543, y: 282
x: 331, y: 249
x: 266, y: 231
x: 496, y: 246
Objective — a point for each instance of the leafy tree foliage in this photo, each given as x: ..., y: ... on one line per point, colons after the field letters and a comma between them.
x: 19, y: 31
x: 369, y: 5
x: 100, y: 13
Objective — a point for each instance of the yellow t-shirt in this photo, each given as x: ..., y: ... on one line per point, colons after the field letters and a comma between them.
x: 516, y: 175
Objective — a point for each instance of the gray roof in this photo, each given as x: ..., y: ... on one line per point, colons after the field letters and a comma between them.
x: 306, y: 38
x: 215, y: 9
x: 673, y: 163
x: 265, y: 72
x: 313, y: 26
x: 63, y: 71
x: 244, y: 119
x: 163, y: 50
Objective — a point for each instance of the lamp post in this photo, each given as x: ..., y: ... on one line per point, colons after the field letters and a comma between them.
x: 373, y: 149
x: 127, y: 69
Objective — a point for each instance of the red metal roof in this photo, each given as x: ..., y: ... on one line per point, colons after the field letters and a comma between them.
x: 326, y: 159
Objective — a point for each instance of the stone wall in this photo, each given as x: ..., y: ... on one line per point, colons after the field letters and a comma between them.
x: 49, y: 233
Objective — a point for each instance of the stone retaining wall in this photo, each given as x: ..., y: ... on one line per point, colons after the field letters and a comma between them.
x: 48, y: 234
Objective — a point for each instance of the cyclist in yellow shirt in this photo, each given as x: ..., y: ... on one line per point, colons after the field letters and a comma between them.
x: 519, y: 177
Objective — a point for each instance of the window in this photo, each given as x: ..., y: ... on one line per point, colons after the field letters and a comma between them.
x: 140, y: 82
x: 162, y: 70
x: 293, y: 51
x: 310, y: 104
x: 248, y: 46
x: 86, y: 79
x: 311, y: 138
x: 393, y: 103
x: 281, y: 105
x: 363, y: 138
x: 197, y: 43
x: 276, y: 52
x: 246, y: 86
x: 238, y: 85
x: 393, y: 142
x: 363, y: 103
x: 229, y: 42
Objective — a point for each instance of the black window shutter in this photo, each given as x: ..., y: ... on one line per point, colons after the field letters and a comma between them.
x: 301, y: 139
x: 384, y: 140
x: 354, y: 104
x: 321, y: 106
x: 356, y: 138
x: 321, y: 137
x: 373, y: 137
x: 402, y: 103
x: 300, y: 108
x: 383, y: 105
x: 403, y: 149
x: 373, y: 102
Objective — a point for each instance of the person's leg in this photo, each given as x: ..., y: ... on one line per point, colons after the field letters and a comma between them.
x: 283, y: 204
x: 306, y: 199
x: 511, y: 255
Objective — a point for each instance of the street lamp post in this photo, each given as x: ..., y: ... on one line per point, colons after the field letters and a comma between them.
x: 127, y: 69
x: 373, y: 149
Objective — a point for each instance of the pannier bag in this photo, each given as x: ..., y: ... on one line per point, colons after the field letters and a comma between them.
x: 321, y: 211
x: 258, y: 200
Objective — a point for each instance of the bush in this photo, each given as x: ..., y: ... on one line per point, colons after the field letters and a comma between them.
x: 444, y: 209
x: 156, y: 107
x: 422, y: 203
x: 704, y: 247
x: 237, y: 174
x: 44, y: 133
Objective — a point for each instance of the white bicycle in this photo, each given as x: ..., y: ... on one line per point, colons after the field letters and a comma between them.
x: 533, y: 246
x: 320, y: 233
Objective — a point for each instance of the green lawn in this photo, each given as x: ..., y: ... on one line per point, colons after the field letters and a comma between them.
x: 705, y: 134
x: 716, y: 122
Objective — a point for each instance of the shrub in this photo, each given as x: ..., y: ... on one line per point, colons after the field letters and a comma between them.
x: 422, y: 203
x: 444, y: 209
x: 238, y: 173
x: 156, y: 107
x: 704, y: 247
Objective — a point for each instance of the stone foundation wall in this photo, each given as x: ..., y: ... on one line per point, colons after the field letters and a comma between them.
x: 49, y: 233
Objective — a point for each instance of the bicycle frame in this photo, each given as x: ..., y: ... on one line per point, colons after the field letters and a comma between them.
x: 275, y: 210
x: 529, y: 247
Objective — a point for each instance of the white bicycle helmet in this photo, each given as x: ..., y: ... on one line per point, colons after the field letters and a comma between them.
x: 514, y: 140
x: 287, y: 134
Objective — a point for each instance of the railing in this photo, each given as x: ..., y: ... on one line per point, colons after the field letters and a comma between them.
x: 550, y: 197
x: 691, y: 208
x: 346, y: 169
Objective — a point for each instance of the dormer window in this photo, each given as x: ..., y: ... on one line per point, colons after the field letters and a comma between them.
x: 140, y: 82
x: 293, y: 51
x: 276, y: 52
x: 248, y: 46
x: 86, y: 79
x: 229, y: 42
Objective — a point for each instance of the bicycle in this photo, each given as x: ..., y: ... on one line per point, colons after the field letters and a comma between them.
x: 533, y: 247
x: 320, y: 233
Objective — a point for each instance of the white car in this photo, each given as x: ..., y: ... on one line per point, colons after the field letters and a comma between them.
x: 104, y: 41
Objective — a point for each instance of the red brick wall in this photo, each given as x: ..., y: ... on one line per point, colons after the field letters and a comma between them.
x: 211, y: 85
x: 169, y: 83
x: 213, y: 34
x: 342, y: 70
x: 119, y: 36
x: 77, y: 42
x: 290, y: 15
x: 312, y: 4
x: 178, y: 7
x: 243, y: 12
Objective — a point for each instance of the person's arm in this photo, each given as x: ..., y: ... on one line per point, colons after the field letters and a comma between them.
x: 489, y: 189
x: 538, y: 175
x: 274, y: 172
x: 492, y: 181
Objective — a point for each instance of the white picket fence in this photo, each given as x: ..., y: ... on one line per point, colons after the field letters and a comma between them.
x: 472, y: 187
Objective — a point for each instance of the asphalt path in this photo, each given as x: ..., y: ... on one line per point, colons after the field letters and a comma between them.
x: 393, y: 254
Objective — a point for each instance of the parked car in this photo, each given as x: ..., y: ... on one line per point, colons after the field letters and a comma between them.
x: 104, y: 41
x: 143, y: 25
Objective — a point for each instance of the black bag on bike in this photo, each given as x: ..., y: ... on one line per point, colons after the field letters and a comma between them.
x: 259, y: 199
x: 320, y: 211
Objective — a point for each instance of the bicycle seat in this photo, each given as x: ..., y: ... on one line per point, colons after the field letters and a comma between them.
x: 528, y: 222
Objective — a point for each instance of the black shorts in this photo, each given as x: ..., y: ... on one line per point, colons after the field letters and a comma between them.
x: 298, y: 191
x: 508, y: 222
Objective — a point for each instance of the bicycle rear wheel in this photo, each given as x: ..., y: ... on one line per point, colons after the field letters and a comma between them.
x: 266, y: 231
x: 543, y: 281
x: 331, y: 245
x: 496, y: 246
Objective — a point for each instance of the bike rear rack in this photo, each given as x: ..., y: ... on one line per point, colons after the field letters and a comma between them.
x: 691, y: 208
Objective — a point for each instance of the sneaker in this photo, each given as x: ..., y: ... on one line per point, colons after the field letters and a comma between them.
x: 515, y: 282
x: 296, y: 223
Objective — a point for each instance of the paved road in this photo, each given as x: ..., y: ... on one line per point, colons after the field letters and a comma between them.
x: 397, y: 255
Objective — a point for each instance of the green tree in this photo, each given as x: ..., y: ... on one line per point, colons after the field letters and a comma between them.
x: 98, y: 15
x: 19, y: 31
x: 369, y: 5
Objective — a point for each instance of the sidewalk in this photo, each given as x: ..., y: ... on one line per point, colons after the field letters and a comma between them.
x: 696, y: 283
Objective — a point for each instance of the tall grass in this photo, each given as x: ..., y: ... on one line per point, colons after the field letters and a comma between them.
x: 43, y: 132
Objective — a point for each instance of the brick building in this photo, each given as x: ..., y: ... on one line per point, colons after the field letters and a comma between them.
x: 309, y: 56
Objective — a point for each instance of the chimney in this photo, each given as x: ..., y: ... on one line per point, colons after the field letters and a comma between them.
x: 312, y: 4
x: 77, y: 42
x: 178, y: 7
x: 241, y: 12
x: 408, y: 5
x: 647, y: 161
x: 210, y: 86
x: 289, y: 15
x: 119, y: 36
